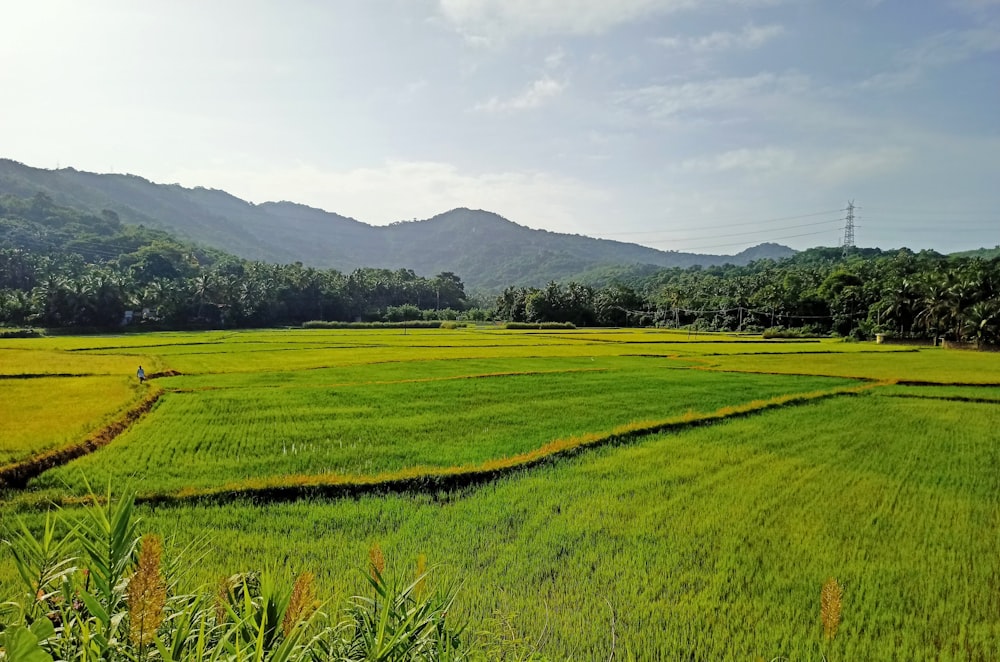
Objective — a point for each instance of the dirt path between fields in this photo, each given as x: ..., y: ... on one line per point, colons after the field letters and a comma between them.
x: 16, y: 475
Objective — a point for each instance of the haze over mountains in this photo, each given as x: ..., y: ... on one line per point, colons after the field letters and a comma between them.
x: 484, y: 249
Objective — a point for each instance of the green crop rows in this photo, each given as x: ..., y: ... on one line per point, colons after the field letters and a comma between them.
x: 673, y: 540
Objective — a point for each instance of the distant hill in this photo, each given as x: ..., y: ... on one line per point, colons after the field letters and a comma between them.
x: 487, y: 251
x: 984, y: 253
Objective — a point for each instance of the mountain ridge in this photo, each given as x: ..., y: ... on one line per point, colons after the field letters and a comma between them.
x: 487, y: 250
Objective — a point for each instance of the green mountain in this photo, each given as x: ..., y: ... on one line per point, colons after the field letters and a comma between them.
x: 486, y: 250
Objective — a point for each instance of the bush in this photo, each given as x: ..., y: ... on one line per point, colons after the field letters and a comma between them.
x: 539, y: 325
x: 405, y: 313
x: 475, y: 315
x: 794, y: 332
x: 115, y: 602
x: 413, y: 324
x: 19, y: 333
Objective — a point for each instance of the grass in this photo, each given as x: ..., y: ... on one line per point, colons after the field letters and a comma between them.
x: 931, y: 365
x: 20, y: 362
x: 37, y: 415
x: 215, y: 437
x: 699, y: 541
x: 712, y: 544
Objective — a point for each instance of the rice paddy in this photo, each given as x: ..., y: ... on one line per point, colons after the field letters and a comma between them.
x: 672, y: 541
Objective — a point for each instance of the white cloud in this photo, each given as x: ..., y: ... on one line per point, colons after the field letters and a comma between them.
x: 496, y: 20
x: 537, y: 94
x: 667, y: 101
x: 515, y: 17
x: 938, y: 51
x: 954, y: 46
x: 822, y: 166
x: 402, y: 190
x: 976, y: 6
x: 892, y: 80
x: 764, y: 160
x: 555, y: 59
x: 848, y: 166
x: 750, y: 37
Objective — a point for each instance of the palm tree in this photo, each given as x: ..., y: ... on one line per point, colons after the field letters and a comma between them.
x: 936, y: 304
x: 982, y: 322
x: 899, y: 305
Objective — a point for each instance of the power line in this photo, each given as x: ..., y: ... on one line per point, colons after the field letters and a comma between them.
x: 743, y: 243
x: 752, y: 232
x: 932, y: 212
x: 733, y: 225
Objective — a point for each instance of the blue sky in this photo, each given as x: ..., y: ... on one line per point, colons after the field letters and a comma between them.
x: 704, y: 126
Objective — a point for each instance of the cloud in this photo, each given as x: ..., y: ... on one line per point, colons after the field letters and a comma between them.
x: 402, y: 190
x: 818, y: 166
x: 489, y: 21
x: 849, y: 166
x: 936, y: 52
x: 555, y: 59
x: 537, y: 94
x: 954, y: 46
x: 516, y: 17
x: 750, y: 37
x: 976, y: 6
x: 660, y: 102
x: 767, y: 159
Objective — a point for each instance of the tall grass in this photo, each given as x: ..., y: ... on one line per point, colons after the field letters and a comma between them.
x: 709, y: 544
x: 113, y: 603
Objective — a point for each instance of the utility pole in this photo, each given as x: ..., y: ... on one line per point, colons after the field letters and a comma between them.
x: 849, y: 229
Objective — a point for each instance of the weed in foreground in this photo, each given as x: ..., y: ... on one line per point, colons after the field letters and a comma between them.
x: 830, y: 606
x: 113, y: 603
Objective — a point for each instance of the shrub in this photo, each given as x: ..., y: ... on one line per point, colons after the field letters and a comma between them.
x: 19, y: 333
x: 113, y: 602
x: 539, y: 325
x: 413, y: 324
x: 793, y: 332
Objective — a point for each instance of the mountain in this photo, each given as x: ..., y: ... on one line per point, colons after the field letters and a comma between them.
x: 488, y: 252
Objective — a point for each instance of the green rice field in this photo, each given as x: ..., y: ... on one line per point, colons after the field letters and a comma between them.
x: 656, y: 493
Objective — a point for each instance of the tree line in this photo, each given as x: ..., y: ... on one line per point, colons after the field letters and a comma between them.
x: 61, y: 267
x: 817, y: 292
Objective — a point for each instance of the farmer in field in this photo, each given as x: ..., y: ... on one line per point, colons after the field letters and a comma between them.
x: 141, y: 374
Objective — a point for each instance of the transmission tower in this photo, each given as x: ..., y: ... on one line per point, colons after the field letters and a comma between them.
x: 849, y: 228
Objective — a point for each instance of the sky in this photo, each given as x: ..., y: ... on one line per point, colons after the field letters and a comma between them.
x: 693, y: 125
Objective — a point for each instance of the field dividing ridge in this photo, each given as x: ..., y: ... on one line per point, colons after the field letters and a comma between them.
x: 17, y: 474
x: 431, y: 480
x: 205, y: 439
x: 600, y: 493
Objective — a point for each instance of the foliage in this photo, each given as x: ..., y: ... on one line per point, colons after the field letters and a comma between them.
x: 113, y: 602
x: 61, y: 267
x: 412, y: 324
x: 538, y: 325
x: 913, y: 295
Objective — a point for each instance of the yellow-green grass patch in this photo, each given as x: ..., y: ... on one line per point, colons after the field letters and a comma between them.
x: 40, y: 414
x: 708, y: 544
x: 209, y: 438
x: 408, y: 368
x: 964, y: 393
x: 933, y: 365
x: 19, y: 362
